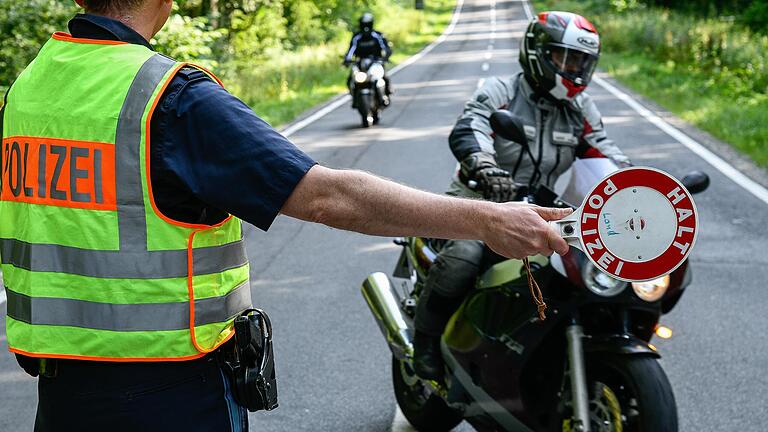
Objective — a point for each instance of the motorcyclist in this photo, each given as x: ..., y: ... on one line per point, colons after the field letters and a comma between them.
x: 368, y: 42
x: 558, y: 56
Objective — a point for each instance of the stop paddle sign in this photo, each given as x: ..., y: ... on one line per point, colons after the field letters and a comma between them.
x: 636, y: 224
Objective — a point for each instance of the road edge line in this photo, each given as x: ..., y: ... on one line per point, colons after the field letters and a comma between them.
x: 699, y: 149
x: 334, y: 104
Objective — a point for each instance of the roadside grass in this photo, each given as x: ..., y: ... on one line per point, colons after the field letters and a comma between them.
x: 700, y: 99
x: 710, y: 72
x: 291, y: 82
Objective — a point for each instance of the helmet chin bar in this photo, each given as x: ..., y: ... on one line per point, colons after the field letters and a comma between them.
x: 565, y: 89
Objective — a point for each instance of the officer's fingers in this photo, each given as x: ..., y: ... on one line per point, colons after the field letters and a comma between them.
x: 557, y: 243
x: 551, y: 214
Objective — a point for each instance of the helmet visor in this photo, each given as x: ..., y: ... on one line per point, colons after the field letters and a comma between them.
x: 573, y: 64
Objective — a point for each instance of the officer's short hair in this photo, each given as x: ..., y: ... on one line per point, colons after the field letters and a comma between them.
x: 110, y: 6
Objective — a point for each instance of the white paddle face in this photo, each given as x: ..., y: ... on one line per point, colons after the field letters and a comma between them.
x: 637, y: 224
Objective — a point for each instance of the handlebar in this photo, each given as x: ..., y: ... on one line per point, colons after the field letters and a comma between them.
x: 540, y: 195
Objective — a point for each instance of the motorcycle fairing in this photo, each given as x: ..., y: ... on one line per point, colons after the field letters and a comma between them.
x: 622, y: 344
x: 509, y: 270
x: 489, y: 405
x: 490, y: 340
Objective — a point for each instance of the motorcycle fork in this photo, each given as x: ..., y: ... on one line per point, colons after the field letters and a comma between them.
x: 578, y: 377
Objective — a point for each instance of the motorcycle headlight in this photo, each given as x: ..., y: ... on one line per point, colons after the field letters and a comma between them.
x: 377, y: 71
x: 361, y: 77
x: 651, y: 290
x: 600, y: 283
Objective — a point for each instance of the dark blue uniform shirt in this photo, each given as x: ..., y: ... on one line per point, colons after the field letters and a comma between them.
x: 210, y: 154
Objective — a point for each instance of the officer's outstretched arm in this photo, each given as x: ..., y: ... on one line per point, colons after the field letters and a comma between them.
x: 362, y: 202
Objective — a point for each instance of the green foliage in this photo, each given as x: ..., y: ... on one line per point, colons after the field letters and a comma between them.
x: 756, y: 16
x: 305, y: 18
x: 190, y: 39
x: 291, y: 81
x: 280, y: 56
x: 710, y: 70
x: 25, y: 25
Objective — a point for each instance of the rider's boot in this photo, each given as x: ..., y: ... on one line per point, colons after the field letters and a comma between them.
x: 427, y: 358
x: 452, y: 275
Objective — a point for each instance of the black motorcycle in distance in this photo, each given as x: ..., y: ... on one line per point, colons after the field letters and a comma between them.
x: 368, y: 89
x: 589, y: 366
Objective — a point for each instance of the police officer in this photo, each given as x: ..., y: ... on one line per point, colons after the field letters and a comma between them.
x: 125, y: 175
x: 558, y: 56
x: 368, y: 42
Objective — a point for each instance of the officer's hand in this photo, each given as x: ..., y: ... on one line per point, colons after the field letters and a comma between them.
x: 520, y: 230
x: 494, y: 183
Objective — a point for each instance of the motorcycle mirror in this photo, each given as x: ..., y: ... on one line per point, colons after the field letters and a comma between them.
x: 637, y: 224
x: 508, y: 126
x: 696, y: 181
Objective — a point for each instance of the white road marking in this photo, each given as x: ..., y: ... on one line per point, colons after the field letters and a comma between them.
x: 527, y: 8
x: 721, y: 165
x: 400, y: 423
x: 2, y: 297
x: 480, y: 82
x: 292, y: 129
x: 717, y: 162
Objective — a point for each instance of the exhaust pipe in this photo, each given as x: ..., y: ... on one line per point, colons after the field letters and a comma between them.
x: 383, y: 302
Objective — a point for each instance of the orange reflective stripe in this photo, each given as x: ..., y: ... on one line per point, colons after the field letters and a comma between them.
x: 66, y: 37
x: 57, y: 172
x: 198, y: 227
x: 148, y: 157
x: 207, y: 72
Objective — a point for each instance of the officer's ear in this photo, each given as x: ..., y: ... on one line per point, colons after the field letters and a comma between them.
x: 163, y: 9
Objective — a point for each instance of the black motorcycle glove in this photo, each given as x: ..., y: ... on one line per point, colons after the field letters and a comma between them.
x: 493, y: 182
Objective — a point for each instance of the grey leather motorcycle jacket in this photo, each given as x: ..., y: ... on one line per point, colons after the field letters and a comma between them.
x: 557, y: 133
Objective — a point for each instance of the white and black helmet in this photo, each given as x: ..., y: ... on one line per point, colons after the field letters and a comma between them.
x: 559, y: 53
x: 366, y: 22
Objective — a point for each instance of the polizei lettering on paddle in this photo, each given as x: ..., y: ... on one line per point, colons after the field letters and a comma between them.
x: 638, y: 224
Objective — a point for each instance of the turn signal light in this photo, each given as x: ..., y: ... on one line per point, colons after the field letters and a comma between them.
x: 663, y: 332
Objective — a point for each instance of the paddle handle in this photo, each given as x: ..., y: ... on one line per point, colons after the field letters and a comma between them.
x: 568, y: 228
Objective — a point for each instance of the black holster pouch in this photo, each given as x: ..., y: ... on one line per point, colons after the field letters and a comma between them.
x: 251, y: 366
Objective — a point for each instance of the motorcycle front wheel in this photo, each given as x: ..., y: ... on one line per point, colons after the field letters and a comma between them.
x: 628, y: 394
x: 424, y: 410
x: 365, y: 108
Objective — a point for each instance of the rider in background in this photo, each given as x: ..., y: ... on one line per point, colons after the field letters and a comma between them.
x: 368, y: 43
x: 558, y: 56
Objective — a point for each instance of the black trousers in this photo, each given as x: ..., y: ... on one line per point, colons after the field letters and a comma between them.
x: 450, y: 279
x: 165, y: 396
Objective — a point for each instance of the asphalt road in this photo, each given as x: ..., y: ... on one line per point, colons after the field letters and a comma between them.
x: 333, y: 365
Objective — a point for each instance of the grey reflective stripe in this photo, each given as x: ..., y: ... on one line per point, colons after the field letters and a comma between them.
x: 130, y: 197
x: 120, y: 264
x: 126, y: 317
